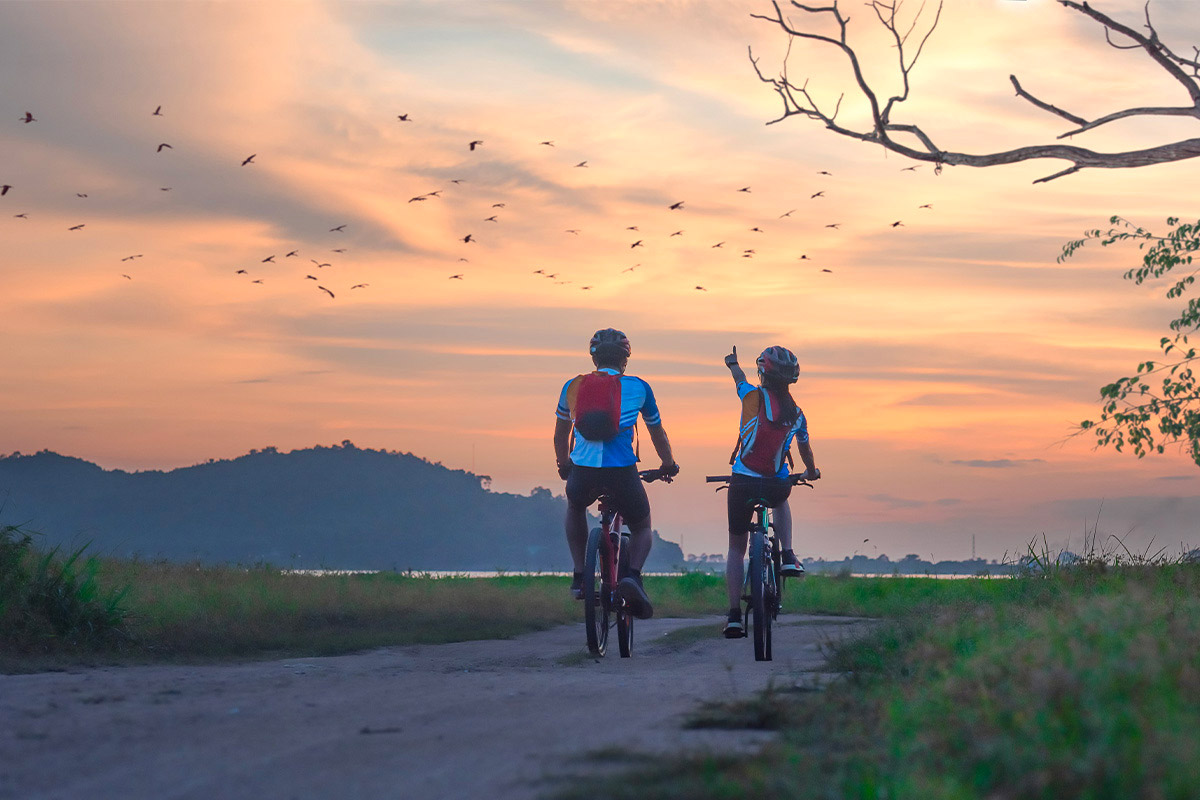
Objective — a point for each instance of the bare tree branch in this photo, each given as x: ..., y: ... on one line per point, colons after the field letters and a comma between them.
x: 797, y: 101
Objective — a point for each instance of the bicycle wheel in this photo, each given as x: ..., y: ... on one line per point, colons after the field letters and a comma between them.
x: 624, y: 618
x: 760, y: 608
x: 596, y: 605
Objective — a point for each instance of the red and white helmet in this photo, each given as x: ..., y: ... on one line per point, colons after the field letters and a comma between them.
x: 780, y: 364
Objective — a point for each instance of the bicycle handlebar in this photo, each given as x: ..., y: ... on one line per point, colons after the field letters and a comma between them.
x: 795, y: 480
x: 651, y: 475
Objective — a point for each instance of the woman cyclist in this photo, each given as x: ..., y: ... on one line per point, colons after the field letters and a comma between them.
x: 770, y: 422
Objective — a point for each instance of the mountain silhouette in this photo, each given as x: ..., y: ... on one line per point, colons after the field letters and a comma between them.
x: 338, y: 507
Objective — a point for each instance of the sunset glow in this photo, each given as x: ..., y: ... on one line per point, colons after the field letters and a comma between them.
x: 944, y: 361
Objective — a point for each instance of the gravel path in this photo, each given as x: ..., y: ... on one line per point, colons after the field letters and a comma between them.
x: 496, y: 719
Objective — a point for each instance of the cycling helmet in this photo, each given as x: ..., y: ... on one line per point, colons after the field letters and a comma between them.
x: 779, y: 364
x: 609, y: 345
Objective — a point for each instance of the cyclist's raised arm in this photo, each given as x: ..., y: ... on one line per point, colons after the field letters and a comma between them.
x: 731, y: 361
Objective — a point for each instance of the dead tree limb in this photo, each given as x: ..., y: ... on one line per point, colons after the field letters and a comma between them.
x: 797, y: 101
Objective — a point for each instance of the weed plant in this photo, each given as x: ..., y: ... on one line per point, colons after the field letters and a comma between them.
x: 51, y: 601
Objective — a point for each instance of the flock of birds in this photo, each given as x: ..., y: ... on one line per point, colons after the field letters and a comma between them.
x: 472, y: 146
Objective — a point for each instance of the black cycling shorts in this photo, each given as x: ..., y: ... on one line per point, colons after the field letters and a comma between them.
x: 621, y: 484
x: 743, y: 490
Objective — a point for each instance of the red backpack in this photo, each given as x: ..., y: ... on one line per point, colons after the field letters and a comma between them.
x: 596, y: 410
x: 762, y: 449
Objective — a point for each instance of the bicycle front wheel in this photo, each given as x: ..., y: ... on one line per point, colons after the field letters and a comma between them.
x: 761, y: 601
x: 596, y: 605
x: 624, y: 617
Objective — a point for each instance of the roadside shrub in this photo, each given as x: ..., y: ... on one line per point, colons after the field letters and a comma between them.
x: 48, y: 599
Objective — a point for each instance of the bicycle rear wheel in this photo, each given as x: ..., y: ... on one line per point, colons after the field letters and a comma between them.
x: 624, y: 618
x: 761, y: 602
x: 597, y: 607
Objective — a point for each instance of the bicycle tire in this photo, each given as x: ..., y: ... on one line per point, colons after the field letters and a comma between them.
x: 624, y: 617
x: 596, y: 605
x: 760, y: 610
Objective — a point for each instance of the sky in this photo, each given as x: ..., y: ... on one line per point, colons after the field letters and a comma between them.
x: 945, y: 362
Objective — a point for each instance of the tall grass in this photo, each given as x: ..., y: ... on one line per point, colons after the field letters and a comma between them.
x: 50, y: 600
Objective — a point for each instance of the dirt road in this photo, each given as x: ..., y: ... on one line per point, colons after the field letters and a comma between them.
x: 495, y: 719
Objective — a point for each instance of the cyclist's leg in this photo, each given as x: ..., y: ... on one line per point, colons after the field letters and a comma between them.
x: 738, y: 511
x: 781, y: 515
x: 735, y: 572
x: 581, y: 493
x: 629, y: 496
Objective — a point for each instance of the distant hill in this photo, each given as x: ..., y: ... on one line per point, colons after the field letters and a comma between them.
x: 339, y: 507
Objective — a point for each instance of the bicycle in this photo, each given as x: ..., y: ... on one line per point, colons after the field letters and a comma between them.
x: 605, y: 563
x: 764, y: 597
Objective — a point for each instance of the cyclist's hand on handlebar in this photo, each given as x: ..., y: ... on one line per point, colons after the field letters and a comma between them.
x: 731, y: 359
x: 813, y: 474
x: 669, y: 470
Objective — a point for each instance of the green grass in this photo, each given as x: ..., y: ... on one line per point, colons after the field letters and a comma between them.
x: 1066, y: 683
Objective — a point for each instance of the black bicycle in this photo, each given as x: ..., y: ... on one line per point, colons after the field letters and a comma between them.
x: 605, y: 563
x: 763, y: 593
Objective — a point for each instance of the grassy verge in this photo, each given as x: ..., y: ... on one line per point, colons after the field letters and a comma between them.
x: 1073, y: 683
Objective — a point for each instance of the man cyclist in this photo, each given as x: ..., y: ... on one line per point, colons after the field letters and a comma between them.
x: 607, y: 463
x: 770, y: 422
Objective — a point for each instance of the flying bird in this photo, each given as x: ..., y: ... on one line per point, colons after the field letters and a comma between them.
x: 293, y: 253
x: 751, y: 252
x: 701, y: 289
x: 631, y: 269
x: 675, y: 206
x: 467, y: 238
x: 547, y: 143
x: 436, y: 193
x: 638, y: 243
x: 457, y: 277
x: 157, y: 112
x: 552, y: 275
x: 360, y: 286
x: 256, y: 281
x: 803, y: 257
x: 339, y: 228
x: 456, y: 180
x: 584, y: 288
x: 818, y: 194
x: 539, y: 272
x: 28, y: 118
x: 490, y: 219
x: 241, y: 272
x: 465, y: 259
x: 249, y: 158
x: 676, y: 233
x: 758, y: 229
x: 77, y: 227
x: 927, y: 205
x: 21, y: 216
x: 572, y: 230
x: 718, y: 244
x: 581, y: 164
x: 497, y: 205
x: 126, y: 277
x: 131, y: 258
x: 474, y: 143
x: 834, y: 225
x: 897, y: 224
x: 310, y: 277
x: 632, y: 228
x: 338, y: 250
x: 164, y: 188
x: 77, y: 194
x: 745, y: 189
x: 418, y: 199
x: 911, y: 169
x: 823, y: 172
x: 788, y: 214
x: 270, y: 259
x: 4, y: 189
x: 319, y: 264
x: 326, y: 291
x: 402, y: 117
x: 161, y: 146
x: 826, y: 270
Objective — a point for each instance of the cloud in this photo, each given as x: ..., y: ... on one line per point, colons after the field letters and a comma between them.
x: 997, y: 463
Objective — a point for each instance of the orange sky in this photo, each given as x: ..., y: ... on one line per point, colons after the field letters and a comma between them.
x: 943, y: 361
